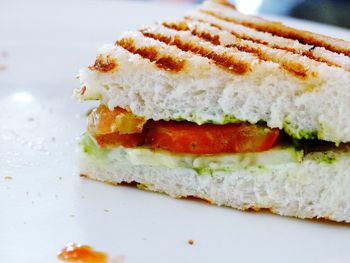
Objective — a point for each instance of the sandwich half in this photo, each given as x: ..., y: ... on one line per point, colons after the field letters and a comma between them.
x: 234, y: 109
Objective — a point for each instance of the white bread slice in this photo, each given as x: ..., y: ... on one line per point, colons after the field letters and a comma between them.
x: 273, y: 41
x: 305, y: 189
x: 223, y: 67
x: 225, y: 12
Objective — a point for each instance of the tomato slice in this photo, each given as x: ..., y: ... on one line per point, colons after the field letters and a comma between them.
x: 119, y: 127
x: 116, y: 127
x: 186, y: 137
x: 116, y: 139
x: 105, y: 121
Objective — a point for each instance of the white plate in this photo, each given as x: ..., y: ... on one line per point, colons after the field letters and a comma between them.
x: 46, y: 205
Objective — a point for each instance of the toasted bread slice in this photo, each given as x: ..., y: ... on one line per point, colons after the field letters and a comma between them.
x: 218, y: 65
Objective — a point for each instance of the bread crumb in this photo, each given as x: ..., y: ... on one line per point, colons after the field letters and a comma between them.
x: 8, y: 177
x: 190, y: 242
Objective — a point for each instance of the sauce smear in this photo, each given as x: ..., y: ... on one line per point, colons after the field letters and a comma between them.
x: 81, y: 254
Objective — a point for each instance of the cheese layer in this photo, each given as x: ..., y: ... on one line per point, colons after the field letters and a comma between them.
x: 200, y: 163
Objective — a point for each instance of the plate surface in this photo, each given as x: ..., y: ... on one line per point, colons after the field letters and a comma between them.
x: 45, y: 205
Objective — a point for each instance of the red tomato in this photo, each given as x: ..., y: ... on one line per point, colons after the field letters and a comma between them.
x: 117, y: 139
x: 116, y: 127
x: 104, y: 121
x: 186, y: 137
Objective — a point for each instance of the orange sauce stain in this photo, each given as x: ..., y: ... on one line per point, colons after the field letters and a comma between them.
x: 81, y: 254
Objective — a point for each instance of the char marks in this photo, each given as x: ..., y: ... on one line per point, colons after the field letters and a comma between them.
x: 278, y: 29
x: 179, y: 26
x: 225, y: 61
x: 182, y: 26
x: 293, y: 67
x: 290, y: 45
x: 230, y: 41
x: 104, y: 64
x: 166, y: 62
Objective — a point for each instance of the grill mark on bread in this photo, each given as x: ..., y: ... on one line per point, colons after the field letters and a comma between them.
x: 166, y: 62
x: 182, y: 26
x: 306, y: 53
x: 214, y: 39
x: 243, y: 36
x: 224, y: 61
x: 278, y: 29
x: 179, y: 26
x: 295, y: 68
x: 311, y: 55
x: 292, y: 67
x: 104, y: 65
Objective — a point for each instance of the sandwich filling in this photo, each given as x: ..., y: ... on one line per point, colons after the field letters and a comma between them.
x: 118, y: 127
x: 118, y: 134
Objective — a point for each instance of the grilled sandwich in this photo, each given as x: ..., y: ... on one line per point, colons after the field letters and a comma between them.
x: 231, y: 108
